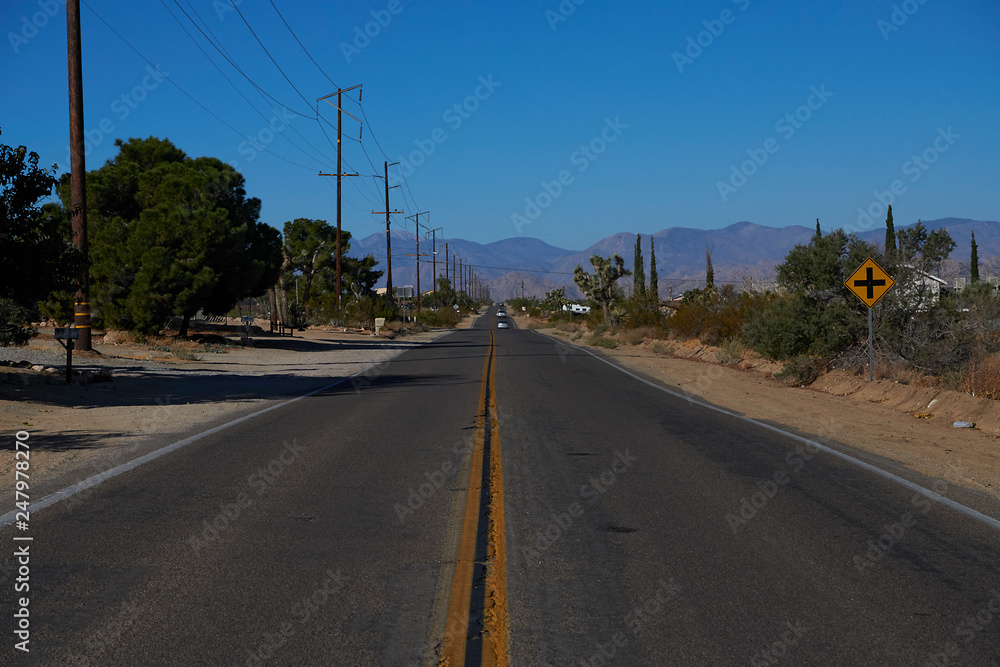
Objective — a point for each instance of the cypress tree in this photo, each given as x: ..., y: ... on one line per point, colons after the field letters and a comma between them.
x: 654, y: 289
x: 639, y: 275
x: 818, y: 235
x: 709, y: 271
x: 890, y: 238
x: 974, y: 269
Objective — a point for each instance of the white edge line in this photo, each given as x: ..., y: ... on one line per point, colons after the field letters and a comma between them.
x: 968, y: 511
x: 9, y: 518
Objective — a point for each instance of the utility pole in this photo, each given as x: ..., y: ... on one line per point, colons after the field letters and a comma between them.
x: 78, y: 168
x: 416, y: 218
x: 434, y: 260
x: 388, y: 240
x: 446, y: 279
x: 461, y: 272
x: 340, y: 171
x: 454, y: 277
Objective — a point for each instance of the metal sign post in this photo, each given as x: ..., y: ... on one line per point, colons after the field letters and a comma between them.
x: 870, y: 283
x: 68, y: 334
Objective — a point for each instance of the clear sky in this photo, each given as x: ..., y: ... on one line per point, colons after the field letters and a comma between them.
x: 565, y: 121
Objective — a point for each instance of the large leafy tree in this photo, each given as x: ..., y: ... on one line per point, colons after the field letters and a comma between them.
x: 309, y: 248
x: 36, y: 253
x: 172, y: 235
x: 816, y: 315
x: 600, y: 286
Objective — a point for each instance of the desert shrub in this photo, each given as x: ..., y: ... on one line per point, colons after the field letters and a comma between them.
x: 793, y: 325
x: 713, y: 316
x: 601, y: 329
x: 982, y: 377
x: 443, y: 318
x: 633, y: 337
x: 802, y: 369
x: 13, y: 318
x: 731, y: 352
x: 601, y: 341
x: 662, y: 347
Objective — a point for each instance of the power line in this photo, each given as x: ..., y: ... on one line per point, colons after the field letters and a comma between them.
x: 229, y: 81
x: 187, y: 94
x: 236, y: 7
x: 303, y: 46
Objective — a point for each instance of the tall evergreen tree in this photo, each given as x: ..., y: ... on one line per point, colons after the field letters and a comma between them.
x: 654, y: 288
x: 818, y: 235
x: 974, y: 269
x: 638, y: 273
x: 890, y: 238
x: 171, y: 235
x: 709, y: 271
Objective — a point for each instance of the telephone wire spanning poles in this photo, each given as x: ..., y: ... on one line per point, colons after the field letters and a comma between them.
x: 416, y: 220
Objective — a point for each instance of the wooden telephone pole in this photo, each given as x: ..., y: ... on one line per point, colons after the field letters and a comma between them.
x: 416, y: 219
x: 388, y: 240
x: 339, y: 173
x: 78, y: 168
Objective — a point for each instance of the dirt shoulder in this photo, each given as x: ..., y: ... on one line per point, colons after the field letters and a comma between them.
x: 911, y: 425
x: 130, y: 399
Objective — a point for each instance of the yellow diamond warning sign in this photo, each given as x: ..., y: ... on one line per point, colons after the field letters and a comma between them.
x: 869, y: 283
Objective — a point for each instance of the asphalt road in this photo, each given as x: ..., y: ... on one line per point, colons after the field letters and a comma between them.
x: 641, y: 529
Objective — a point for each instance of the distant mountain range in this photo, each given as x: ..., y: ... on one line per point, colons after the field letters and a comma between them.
x: 740, y: 252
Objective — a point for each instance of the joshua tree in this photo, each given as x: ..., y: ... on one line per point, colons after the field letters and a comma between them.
x: 600, y: 286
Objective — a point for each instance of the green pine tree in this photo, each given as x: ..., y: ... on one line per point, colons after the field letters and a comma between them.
x: 639, y: 274
x: 654, y: 288
x: 974, y: 269
x: 890, y: 238
x: 709, y: 271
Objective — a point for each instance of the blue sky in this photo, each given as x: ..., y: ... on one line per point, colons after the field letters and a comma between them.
x: 565, y: 121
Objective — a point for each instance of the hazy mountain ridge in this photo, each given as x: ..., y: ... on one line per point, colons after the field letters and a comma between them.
x: 740, y: 251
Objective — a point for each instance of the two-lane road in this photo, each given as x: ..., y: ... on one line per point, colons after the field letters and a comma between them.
x: 639, y: 528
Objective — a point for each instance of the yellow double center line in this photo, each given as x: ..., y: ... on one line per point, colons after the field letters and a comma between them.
x: 465, y: 641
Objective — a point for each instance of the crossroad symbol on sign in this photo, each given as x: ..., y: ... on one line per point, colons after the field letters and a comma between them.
x: 870, y: 282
